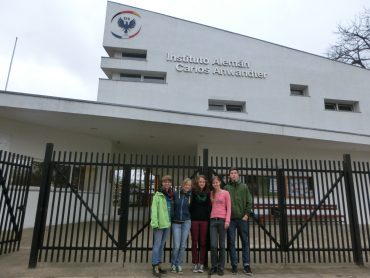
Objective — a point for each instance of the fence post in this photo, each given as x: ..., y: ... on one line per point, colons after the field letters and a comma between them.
x: 283, y: 220
x: 352, y: 210
x: 42, y: 206
x: 124, y: 207
x: 205, y: 168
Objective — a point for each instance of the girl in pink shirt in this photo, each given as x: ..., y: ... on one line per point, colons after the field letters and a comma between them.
x: 220, y: 220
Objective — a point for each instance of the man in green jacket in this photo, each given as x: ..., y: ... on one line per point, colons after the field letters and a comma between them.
x: 241, y: 208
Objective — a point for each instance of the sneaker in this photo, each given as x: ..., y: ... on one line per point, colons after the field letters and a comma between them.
x: 156, y: 272
x: 247, y: 270
x: 179, y: 270
x: 220, y: 272
x: 234, y: 270
x: 173, y: 268
x: 200, y: 268
x: 161, y: 271
x: 212, y: 271
x: 195, y: 268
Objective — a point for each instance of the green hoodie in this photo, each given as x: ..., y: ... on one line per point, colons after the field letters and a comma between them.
x: 159, y: 212
x: 241, y: 199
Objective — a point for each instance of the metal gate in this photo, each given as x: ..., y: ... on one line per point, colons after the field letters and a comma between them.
x: 305, y: 210
x: 15, y: 174
x: 96, y: 207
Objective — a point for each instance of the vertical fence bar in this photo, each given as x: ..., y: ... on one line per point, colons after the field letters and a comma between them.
x: 24, y: 198
x: 123, y: 218
x: 205, y: 168
x: 352, y: 210
x: 366, y: 221
x: 278, y: 257
x: 283, y: 212
x: 42, y: 207
x: 359, y: 194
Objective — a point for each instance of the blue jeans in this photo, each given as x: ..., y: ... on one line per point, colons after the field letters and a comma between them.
x: 217, y: 237
x: 159, y: 239
x: 180, y: 233
x: 243, y: 231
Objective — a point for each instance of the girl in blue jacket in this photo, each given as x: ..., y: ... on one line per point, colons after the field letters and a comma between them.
x: 181, y: 224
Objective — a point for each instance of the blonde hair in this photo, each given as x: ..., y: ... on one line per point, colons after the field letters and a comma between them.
x: 186, y: 181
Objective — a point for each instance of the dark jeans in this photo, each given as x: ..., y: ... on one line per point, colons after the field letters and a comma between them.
x: 199, y: 232
x: 217, y: 234
x: 243, y: 231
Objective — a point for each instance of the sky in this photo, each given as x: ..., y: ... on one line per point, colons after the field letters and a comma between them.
x: 59, y: 43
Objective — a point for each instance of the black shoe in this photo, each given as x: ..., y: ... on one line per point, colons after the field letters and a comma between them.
x: 212, y: 271
x: 156, y: 272
x: 162, y: 271
x: 247, y: 270
x: 220, y: 272
x: 234, y: 270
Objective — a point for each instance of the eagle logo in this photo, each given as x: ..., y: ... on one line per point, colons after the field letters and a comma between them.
x: 125, y: 24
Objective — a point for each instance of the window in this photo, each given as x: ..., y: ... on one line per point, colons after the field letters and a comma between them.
x: 217, y: 107
x: 147, y: 77
x: 341, y: 105
x: 298, y: 90
x: 130, y: 77
x: 135, y: 54
x: 154, y: 79
x: 226, y: 105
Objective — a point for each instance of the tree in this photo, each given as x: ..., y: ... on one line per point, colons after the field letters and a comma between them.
x: 353, y: 45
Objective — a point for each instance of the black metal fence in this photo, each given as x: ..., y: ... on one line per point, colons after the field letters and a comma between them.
x: 15, y: 173
x: 96, y: 207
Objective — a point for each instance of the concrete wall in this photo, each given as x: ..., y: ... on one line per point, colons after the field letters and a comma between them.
x: 31, y: 139
x: 282, y: 151
x: 27, y: 139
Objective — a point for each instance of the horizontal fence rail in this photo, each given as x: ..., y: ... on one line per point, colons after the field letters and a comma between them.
x: 15, y: 173
x: 96, y: 207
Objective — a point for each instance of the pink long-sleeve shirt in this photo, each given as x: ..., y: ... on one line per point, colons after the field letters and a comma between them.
x: 221, y: 206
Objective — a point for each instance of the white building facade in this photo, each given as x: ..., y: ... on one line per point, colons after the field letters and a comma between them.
x: 177, y: 87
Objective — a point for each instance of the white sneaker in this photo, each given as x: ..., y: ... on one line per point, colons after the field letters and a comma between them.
x: 179, y: 270
x: 195, y: 268
x: 173, y: 269
x: 200, y: 268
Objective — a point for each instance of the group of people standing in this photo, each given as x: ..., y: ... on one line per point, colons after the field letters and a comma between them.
x: 204, y: 211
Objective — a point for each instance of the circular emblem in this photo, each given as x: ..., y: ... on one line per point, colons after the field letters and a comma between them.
x: 125, y: 24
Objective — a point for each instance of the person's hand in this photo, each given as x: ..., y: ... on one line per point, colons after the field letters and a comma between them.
x: 245, y: 217
x: 226, y: 226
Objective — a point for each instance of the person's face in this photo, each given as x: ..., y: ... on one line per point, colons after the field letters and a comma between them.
x: 201, y: 183
x: 216, y: 184
x: 166, y: 185
x: 186, y: 187
x: 234, y: 175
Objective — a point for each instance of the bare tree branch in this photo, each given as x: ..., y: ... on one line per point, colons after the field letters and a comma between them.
x: 353, y: 45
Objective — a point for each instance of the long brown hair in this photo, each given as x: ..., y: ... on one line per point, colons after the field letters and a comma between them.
x: 213, y: 190
x: 196, y: 188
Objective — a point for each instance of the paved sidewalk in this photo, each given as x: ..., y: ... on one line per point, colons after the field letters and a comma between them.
x: 16, y: 265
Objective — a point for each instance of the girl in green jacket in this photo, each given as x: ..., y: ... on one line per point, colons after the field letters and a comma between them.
x: 161, y: 212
